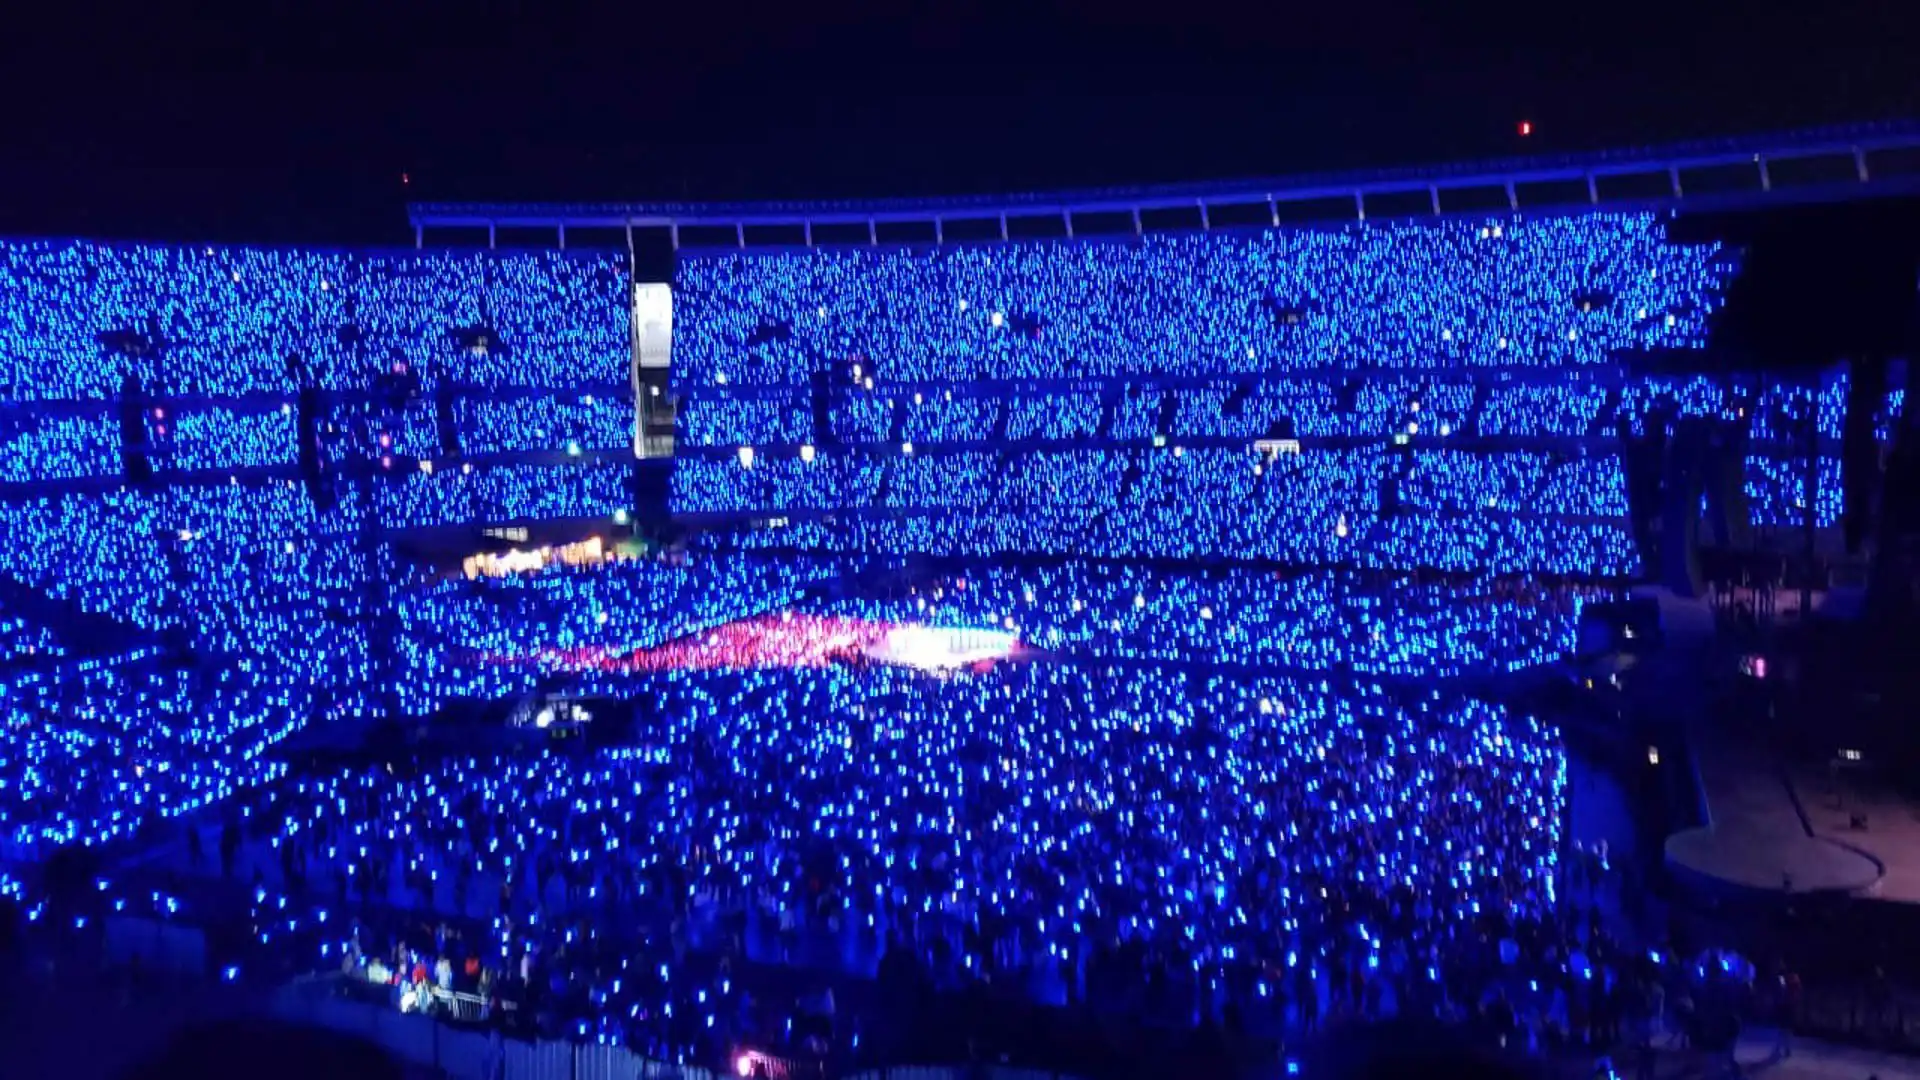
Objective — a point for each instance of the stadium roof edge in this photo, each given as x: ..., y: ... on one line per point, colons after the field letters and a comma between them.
x: 1859, y: 145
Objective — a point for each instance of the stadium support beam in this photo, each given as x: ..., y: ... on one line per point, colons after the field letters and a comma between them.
x: 1273, y: 210
x: 939, y: 230
x: 1137, y: 229
x: 1003, y: 225
x: 493, y: 235
x: 673, y: 230
x: 807, y: 228
x: 419, y: 236
x: 873, y: 232
x: 740, y: 232
x: 1066, y: 218
x: 1531, y: 184
x: 1433, y: 193
x: 562, y: 226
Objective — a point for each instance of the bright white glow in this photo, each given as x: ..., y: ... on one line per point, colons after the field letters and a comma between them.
x: 1446, y: 429
x: 963, y: 305
x: 934, y: 648
x: 806, y: 452
x: 426, y: 467
x: 1413, y: 428
x: 653, y: 323
x: 573, y: 448
x: 1206, y: 613
x: 1415, y: 406
x: 906, y: 448
x: 621, y: 517
x: 997, y: 319
x: 917, y: 399
x: 745, y: 454
x: 1179, y: 451
x: 721, y: 378
x: 869, y: 383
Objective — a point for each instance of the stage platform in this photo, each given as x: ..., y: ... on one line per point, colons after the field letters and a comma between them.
x: 1756, y: 838
x: 1890, y: 820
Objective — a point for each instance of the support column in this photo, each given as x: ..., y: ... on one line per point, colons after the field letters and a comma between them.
x: 1433, y: 197
x: 740, y: 232
x: 873, y: 232
x: 1003, y: 226
x: 1513, y: 197
x: 1766, y: 178
x: 1593, y: 190
x: 419, y: 236
x: 1066, y: 216
x: 563, y: 235
x: 807, y: 227
x: 1273, y: 211
x: 1206, y: 222
x: 1673, y: 174
x: 1360, y: 204
x: 492, y: 235
x: 1860, y: 165
x: 673, y: 230
x: 1137, y: 230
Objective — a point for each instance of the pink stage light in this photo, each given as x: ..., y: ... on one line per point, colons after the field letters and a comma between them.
x: 790, y: 640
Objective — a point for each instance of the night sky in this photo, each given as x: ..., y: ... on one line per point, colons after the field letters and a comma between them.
x: 286, y: 121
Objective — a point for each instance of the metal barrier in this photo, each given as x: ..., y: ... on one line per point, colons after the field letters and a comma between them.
x: 464, y: 1054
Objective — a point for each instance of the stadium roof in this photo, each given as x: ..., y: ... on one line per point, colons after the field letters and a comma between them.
x: 1798, y: 166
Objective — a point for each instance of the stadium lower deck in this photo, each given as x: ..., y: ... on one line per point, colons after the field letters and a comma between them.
x: 1092, y: 787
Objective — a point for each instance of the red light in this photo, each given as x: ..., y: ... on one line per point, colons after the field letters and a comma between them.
x: 406, y: 178
x: 1526, y: 127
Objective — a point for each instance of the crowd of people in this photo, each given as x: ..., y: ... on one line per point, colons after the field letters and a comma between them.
x: 1121, y: 838
x: 1490, y: 293
x: 222, y: 322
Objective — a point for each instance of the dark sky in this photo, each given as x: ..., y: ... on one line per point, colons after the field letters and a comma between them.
x: 294, y: 119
